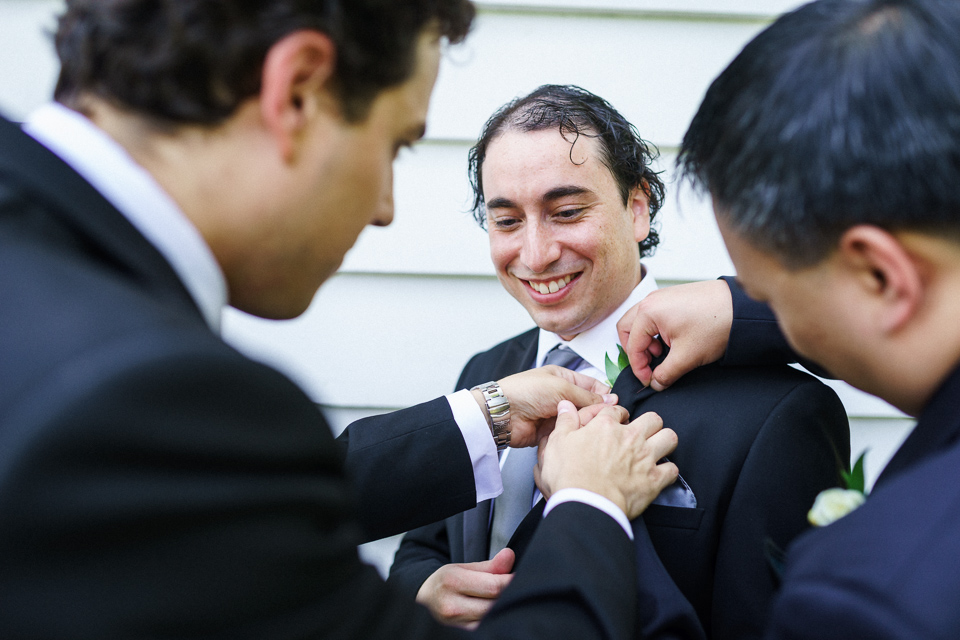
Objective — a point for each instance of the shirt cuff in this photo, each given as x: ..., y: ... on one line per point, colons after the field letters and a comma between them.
x: 483, y: 451
x: 594, y: 500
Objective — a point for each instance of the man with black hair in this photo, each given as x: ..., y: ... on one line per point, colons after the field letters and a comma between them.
x: 156, y: 483
x: 831, y: 150
x: 566, y: 188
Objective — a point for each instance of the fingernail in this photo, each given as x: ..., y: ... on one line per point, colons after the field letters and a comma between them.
x: 610, y: 398
x: 565, y: 406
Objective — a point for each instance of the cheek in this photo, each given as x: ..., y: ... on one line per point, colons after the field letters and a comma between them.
x: 804, y: 328
x: 501, y: 253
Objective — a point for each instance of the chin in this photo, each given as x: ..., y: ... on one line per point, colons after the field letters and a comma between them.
x: 275, y: 307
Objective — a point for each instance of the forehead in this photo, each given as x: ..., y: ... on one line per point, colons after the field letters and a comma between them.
x: 544, y: 157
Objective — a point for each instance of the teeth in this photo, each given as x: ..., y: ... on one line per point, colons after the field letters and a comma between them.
x: 550, y: 287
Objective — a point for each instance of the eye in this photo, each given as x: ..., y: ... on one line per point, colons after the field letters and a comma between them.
x: 569, y: 214
x: 505, y: 223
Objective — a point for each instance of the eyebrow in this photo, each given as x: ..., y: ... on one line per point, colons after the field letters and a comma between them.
x: 562, y: 192
x: 553, y: 194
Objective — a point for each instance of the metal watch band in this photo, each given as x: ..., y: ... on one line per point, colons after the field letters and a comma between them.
x: 498, y: 413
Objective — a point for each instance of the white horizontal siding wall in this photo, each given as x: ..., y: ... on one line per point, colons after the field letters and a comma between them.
x: 414, y: 301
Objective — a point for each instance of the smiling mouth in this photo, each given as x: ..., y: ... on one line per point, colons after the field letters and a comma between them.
x: 551, y: 286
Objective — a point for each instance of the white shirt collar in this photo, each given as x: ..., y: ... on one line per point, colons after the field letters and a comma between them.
x: 133, y: 191
x: 594, y: 343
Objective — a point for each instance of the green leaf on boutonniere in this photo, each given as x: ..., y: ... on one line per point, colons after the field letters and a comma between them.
x: 854, y: 479
x: 622, y: 360
x: 613, y: 370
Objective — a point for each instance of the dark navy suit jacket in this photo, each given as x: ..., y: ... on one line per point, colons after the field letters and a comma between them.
x: 156, y: 483
x: 756, y: 444
x: 889, y: 569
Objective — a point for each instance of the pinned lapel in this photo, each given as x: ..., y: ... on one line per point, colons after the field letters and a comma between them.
x: 528, y: 526
x: 629, y: 389
x: 476, y: 532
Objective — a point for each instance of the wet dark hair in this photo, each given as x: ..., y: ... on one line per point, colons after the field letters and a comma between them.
x: 842, y: 112
x: 576, y: 112
x: 195, y: 61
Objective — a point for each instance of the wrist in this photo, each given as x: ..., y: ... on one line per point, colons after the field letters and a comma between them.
x: 496, y: 409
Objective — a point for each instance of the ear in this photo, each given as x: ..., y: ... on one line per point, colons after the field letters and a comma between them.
x: 886, y: 271
x: 639, y: 205
x: 295, y: 86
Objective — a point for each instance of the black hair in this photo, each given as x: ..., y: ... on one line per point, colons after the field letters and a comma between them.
x: 842, y: 112
x: 576, y: 112
x: 195, y: 61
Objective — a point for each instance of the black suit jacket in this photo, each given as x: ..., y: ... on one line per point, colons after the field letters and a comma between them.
x: 156, y: 483
x: 888, y: 569
x: 756, y: 444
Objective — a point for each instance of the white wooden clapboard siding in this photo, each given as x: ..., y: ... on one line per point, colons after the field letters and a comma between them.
x: 414, y: 301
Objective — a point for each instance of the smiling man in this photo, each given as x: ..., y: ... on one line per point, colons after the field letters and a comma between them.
x: 565, y: 186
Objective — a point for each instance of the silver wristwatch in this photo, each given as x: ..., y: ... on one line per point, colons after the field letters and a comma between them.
x: 498, y: 413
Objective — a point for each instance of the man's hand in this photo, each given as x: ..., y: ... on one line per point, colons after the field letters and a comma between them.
x: 461, y: 594
x: 619, y: 462
x: 693, y: 319
x: 534, y: 395
x: 585, y: 415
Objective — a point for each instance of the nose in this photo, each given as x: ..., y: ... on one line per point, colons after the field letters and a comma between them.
x: 540, y: 249
x: 384, y: 215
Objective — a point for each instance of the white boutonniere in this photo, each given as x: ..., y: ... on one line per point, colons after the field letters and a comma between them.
x: 613, y: 369
x: 832, y: 504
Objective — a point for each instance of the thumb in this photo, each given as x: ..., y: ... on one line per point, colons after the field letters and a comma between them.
x: 502, y: 562
x: 568, y: 419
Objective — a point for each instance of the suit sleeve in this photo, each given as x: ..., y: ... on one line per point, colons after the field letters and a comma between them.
x: 424, y: 550
x: 799, y: 451
x: 755, y: 337
x: 173, y: 490
x: 598, y: 575
x: 429, y: 443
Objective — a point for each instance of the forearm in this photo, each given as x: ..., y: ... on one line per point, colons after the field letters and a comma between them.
x: 437, y: 476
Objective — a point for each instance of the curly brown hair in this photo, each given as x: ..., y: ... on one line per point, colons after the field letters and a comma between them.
x: 195, y: 61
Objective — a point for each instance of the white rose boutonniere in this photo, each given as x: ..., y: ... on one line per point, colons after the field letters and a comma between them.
x: 832, y: 504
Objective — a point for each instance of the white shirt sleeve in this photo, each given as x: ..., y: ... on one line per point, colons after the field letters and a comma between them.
x: 592, y: 499
x: 476, y: 434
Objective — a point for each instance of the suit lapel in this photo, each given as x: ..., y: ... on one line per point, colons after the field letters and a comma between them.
x: 476, y: 532
x: 521, y: 538
x: 74, y: 203
x: 629, y: 390
x: 519, y: 356
x: 628, y: 387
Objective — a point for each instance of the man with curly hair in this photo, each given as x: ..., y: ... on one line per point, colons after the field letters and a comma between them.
x: 567, y: 190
